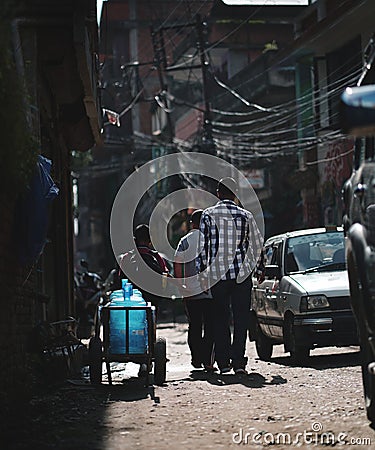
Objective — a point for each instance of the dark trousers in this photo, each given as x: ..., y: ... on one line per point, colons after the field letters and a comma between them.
x: 230, y: 296
x: 201, y: 331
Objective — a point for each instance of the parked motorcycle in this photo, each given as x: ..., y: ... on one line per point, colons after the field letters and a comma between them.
x: 358, y: 119
x: 90, y: 290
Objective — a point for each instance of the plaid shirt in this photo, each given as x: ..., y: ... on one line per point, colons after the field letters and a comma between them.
x: 230, y: 241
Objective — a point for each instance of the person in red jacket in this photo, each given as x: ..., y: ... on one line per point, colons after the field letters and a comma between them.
x: 150, y: 256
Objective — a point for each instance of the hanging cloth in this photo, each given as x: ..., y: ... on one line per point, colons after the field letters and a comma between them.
x: 31, y: 215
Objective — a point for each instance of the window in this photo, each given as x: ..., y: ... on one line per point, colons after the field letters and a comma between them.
x: 314, y: 250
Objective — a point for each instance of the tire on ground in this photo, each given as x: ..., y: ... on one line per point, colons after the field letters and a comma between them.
x: 95, y: 360
x: 298, y: 353
x: 160, y: 363
x: 263, y: 344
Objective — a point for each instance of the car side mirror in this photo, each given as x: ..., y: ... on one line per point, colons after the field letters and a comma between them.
x: 272, y: 271
x: 357, y: 110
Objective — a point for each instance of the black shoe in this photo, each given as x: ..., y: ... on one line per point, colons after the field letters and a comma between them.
x: 224, y: 366
x: 225, y: 369
x: 209, y: 368
x: 196, y: 364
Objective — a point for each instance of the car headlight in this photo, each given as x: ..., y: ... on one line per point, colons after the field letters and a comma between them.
x: 313, y: 302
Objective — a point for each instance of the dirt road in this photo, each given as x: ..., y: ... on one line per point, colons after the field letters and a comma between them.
x: 317, y: 406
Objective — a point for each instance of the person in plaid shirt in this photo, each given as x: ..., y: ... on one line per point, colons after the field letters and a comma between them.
x: 231, y: 244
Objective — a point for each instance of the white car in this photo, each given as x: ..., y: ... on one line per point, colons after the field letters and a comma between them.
x: 304, y: 300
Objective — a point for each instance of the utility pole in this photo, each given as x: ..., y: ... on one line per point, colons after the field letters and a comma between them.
x: 159, y: 59
x: 159, y: 52
x: 208, y: 145
x: 133, y: 45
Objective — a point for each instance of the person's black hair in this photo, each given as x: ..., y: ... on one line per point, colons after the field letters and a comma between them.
x: 227, y: 188
x: 196, y: 217
x: 142, y: 234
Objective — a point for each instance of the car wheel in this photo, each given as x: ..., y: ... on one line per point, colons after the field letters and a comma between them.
x: 263, y: 344
x: 298, y: 353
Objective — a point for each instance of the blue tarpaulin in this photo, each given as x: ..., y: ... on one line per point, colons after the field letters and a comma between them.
x: 31, y: 221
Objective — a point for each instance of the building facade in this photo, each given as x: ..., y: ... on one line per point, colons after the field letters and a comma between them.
x: 266, y: 80
x: 50, y: 50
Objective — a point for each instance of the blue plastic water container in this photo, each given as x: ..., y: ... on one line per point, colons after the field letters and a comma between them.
x: 137, y: 323
x: 116, y: 295
x: 138, y: 292
x: 138, y: 337
x: 117, y: 323
x: 127, y: 289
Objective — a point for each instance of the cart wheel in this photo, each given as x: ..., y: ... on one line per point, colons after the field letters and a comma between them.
x: 95, y: 360
x: 160, y: 366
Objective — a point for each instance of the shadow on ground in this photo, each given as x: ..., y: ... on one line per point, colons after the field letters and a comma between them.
x: 252, y: 380
x: 71, y: 415
x: 322, y: 362
x: 130, y: 390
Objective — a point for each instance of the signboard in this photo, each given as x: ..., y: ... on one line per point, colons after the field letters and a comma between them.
x: 255, y: 177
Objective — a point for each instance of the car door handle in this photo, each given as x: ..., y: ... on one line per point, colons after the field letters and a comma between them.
x: 284, y: 297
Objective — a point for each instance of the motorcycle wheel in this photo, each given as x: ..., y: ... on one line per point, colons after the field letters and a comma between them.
x: 359, y: 299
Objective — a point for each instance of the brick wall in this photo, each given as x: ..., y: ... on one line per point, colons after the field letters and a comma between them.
x: 17, y: 316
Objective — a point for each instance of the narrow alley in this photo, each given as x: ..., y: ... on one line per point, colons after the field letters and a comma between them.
x: 122, y: 122
x: 319, y: 404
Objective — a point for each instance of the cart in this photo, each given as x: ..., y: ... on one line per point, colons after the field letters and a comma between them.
x: 99, y: 350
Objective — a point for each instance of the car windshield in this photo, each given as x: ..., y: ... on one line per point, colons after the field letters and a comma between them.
x: 320, y: 251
